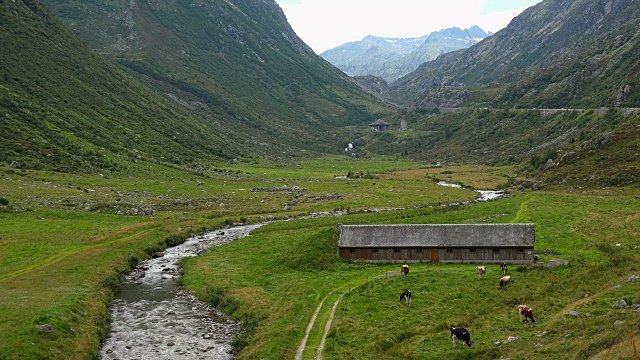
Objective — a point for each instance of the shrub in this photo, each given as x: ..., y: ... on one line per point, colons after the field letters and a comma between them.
x: 240, y: 342
x: 175, y: 239
x: 154, y: 249
x: 132, y: 261
x: 229, y: 305
x: 214, y: 296
x: 111, y: 281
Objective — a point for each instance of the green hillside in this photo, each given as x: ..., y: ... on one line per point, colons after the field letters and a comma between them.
x: 241, y: 62
x: 550, y: 146
x: 237, y: 85
x: 563, y: 76
x: 63, y: 107
x: 556, y: 54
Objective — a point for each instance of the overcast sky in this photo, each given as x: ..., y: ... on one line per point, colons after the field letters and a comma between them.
x: 325, y: 24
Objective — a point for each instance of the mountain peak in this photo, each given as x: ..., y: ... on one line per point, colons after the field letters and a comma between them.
x: 391, y: 58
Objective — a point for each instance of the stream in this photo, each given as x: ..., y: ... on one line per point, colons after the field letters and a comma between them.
x: 153, y: 319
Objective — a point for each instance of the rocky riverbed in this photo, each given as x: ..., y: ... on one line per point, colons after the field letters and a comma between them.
x: 152, y: 319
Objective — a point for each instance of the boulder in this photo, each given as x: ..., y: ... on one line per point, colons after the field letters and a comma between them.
x: 621, y: 304
x: 45, y: 327
x: 554, y: 263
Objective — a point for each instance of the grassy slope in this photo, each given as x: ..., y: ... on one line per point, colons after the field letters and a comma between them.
x: 586, y: 147
x: 66, y: 108
x: 557, y: 54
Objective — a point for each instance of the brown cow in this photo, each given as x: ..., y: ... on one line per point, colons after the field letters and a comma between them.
x: 405, y: 270
x: 526, y: 313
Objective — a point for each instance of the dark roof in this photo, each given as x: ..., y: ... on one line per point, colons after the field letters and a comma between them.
x: 378, y: 123
x: 437, y: 235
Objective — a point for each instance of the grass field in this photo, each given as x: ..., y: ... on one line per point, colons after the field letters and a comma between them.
x: 293, y: 265
x: 66, y: 238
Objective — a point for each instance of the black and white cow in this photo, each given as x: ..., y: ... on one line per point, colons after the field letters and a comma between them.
x: 461, y: 334
x: 406, y: 296
x: 503, y: 268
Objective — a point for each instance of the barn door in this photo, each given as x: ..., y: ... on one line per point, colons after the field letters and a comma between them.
x: 435, y: 255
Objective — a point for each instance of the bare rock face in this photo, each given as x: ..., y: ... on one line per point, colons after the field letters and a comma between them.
x: 623, y: 94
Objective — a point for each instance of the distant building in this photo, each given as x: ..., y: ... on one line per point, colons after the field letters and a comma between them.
x: 379, y: 125
x: 452, y: 243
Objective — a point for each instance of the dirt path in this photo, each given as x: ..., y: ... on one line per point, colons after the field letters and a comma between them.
x: 303, y: 344
x: 327, y: 325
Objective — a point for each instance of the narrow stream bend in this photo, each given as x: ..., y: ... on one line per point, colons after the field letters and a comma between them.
x: 152, y: 319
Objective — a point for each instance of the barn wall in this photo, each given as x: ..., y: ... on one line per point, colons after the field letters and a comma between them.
x: 386, y: 255
x: 446, y: 255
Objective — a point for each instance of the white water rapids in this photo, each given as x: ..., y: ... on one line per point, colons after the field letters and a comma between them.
x: 151, y: 319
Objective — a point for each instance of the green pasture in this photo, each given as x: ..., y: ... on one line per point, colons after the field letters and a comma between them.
x: 282, y: 271
x: 65, y: 239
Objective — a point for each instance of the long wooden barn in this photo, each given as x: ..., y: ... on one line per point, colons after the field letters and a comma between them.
x: 453, y: 243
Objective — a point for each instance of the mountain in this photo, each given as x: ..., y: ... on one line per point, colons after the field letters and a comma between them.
x: 242, y: 58
x: 168, y: 82
x: 392, y: 58
x: 556, y: 92
x: 65, y: 108
x: 558, y: 53
x: 369, y: 55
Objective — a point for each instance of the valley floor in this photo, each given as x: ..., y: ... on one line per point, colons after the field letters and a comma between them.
x: 66, y: 239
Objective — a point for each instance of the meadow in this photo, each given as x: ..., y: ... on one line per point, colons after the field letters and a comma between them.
x: 65, y: 239
x: 293, y: 265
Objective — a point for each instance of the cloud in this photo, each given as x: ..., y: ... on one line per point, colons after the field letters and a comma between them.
x: 325, y: 24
